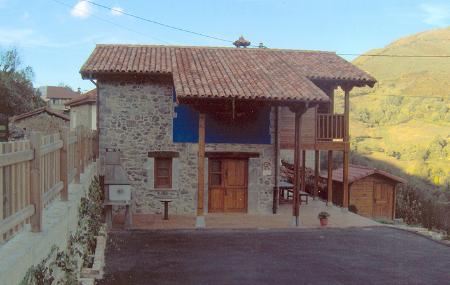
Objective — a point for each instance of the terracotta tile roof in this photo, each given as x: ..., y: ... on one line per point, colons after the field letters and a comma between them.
x: 57, y: 92
x: 89, y: 97
x: 356, y: 172
x: 37, y: 112
x: 229, y: 72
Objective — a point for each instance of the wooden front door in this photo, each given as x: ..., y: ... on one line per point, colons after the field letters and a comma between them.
x: 227, y: 182
x: 382, y: 200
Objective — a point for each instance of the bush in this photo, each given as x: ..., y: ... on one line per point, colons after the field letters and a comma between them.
x: 63, y: 266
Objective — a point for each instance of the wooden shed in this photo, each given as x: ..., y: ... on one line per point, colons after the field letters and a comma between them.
x: 371, y: 191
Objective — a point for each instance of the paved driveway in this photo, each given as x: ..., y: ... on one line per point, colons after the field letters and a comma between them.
x: 375, y: 255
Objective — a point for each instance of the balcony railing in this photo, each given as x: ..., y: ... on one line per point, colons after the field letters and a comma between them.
x: 329, y: 127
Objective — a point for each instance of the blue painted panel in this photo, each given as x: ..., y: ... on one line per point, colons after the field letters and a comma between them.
x: 256, y: 131
x: 185, y: 124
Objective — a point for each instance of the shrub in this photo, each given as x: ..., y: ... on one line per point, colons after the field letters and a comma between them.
x: 62, y: 266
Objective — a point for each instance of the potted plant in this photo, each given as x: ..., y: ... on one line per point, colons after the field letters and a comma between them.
x: 323, y: 217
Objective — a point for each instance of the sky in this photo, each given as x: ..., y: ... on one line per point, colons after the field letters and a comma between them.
x: 55, y: 37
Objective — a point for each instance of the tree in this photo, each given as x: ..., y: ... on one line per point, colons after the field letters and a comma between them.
x: 17, y: 94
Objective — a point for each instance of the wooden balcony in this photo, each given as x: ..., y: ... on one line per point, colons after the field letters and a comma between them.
x: 320, y: 131
x: 330, y: 127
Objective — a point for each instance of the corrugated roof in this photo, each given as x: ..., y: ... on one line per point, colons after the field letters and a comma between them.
x: 356, y: 172
x: 229, y: 72
x: 39, y: 111
x: 89, y: 97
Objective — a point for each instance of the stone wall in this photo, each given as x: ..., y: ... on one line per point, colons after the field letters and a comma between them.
x: 137, y: 118
x: 42, y: 122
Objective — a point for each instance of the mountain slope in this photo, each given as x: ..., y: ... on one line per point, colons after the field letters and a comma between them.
x: 405, y: 120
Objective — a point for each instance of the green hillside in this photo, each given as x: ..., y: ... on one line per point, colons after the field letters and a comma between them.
x: 405, y: 119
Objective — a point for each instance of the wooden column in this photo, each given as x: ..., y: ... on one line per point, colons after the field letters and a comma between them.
x: 36, y: 190
x: 346, y: 145
x: 303, y: 171
x: 276, y: 194
x: 64, y: 133
x: 201, y: 169
x: 299, y: 111
x: 297, y: 151
x: 330, y: 178
x: 316, y: 174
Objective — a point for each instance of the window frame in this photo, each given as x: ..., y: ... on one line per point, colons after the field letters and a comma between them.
x: 156, y: 176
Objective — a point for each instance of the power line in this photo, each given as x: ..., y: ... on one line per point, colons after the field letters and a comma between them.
x: 403, y: 96
x: 230, y: 41
x: 115, y: 24
x: 158, y: 23
x: 394, y: 55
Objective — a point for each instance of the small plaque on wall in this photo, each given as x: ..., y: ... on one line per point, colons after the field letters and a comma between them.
x: 267, y: 168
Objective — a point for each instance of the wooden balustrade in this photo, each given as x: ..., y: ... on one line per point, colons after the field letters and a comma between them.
x: 329, y: 127
x: 35, y: 172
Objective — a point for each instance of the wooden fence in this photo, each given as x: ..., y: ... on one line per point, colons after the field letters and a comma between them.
x: 35, y: 172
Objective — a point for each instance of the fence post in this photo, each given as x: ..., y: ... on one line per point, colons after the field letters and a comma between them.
x: 36, y: 189
x: 83, y: 148
x: 77, y: 155
x: 64, y: 133
x: 1, y: 192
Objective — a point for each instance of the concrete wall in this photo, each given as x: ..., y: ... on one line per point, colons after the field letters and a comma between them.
x: 42, y: 122
x: 138, y: 118
x: 59, y: 221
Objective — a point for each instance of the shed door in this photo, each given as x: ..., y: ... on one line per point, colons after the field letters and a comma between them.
x: 382, y: 200
x: 227, y: 185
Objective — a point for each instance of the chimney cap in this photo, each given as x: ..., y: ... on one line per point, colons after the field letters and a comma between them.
x: 241, y: 42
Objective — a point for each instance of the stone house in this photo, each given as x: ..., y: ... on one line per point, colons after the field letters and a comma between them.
x: 201, y: 125
x: 83, y: 110
x: 43, y: 120
x: 57, y: 96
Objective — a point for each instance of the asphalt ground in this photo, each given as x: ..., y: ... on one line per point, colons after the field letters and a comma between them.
x: 378, y: 255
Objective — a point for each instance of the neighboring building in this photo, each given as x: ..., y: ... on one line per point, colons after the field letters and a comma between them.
x: 40, y: 120
x: 83, y: 110
x: 57, y: 96
x: 199, y: 125
x: 371, y: 191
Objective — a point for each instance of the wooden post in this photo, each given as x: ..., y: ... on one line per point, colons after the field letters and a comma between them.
x: 2, y: 192
x: 299, y: 111
x: 316, y: 174
x: 83, y: 149
x: 35, y: 185
x: 78, y: 155
x: 346, y: 145
x: 64, y: 133
x: 277, y: 160
x: 295, y: 196
x: 200, y: 222
x: 303, y: 172
x: 330, y: 178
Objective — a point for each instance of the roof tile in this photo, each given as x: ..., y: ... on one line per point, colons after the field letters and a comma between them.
x: 229, y: 72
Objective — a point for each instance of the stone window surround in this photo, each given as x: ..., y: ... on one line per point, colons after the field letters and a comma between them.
x: 151, y: 166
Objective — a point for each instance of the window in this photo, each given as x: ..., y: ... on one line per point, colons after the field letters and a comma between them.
x: 163, y: 172
x: 216, y: 172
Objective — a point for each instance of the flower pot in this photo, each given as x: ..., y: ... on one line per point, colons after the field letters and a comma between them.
x: 324, y: 222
